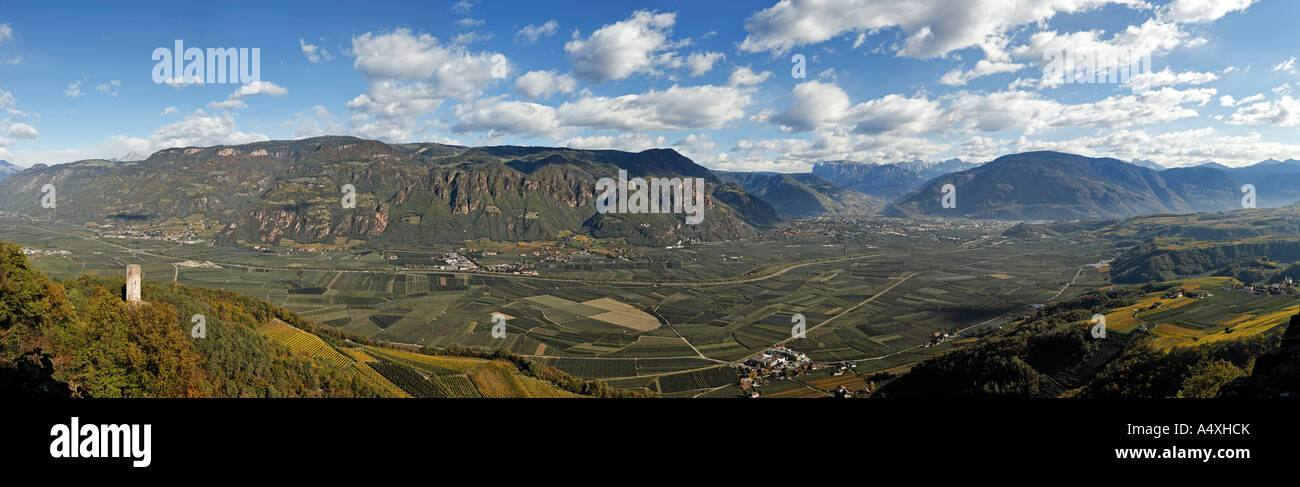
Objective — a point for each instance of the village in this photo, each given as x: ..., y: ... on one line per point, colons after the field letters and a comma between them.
x: 1286, y: 287
x: 783, y: 363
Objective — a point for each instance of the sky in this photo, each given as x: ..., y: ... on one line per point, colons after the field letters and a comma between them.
x: 879, y: 81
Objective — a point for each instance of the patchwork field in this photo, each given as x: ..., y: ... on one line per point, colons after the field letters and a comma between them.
x: 715, y: 304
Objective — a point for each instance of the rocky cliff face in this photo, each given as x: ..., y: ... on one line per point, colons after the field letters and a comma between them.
x: 410, y: 194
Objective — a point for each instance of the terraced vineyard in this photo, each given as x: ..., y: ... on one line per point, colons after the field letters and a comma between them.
x: 408, y: 379
x: 497, y: 380
x: 378, y: 380
x: 304, y: 342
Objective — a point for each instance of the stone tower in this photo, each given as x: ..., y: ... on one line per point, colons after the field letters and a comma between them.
x: 133, y: 275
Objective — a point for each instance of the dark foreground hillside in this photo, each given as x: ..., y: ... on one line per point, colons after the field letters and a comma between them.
x: 1051, y: 354
x: 78, y: 338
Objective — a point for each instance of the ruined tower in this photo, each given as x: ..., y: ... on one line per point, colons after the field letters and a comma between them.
x: 133, y: 275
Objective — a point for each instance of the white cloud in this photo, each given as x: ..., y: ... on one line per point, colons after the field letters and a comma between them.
x: 931, y: 29
x: 6, y: 33
x: 1283, y: 112
x: 497, y: 116
x: 463, y: 6
x: 314, y: 53
x: 168, y: 111
x: 531, y: 33
x: 618, y: 50
x: 817, y: 105
x: 1167, y: 77
x: 74, y: 90
x: 314, y: 122
x: 236, y: 99
x: 228, y: 104
x: 1171, y: 149
x: 744, y: 76
x: 627, y: 141
x: 983, y: 68
x: 18, y: 130
x: 198, y: 129
x: 6, y: 99
x: 109, y: 88
x: 1287, y: 66
x: 452, y: 71
x: 702, y: 62
x: 536, y: 85
x: 468, y: 22
x: 395, y: 99
x: 1195, y: 11
x: 470, y: 37
x: 676, y: 108
x: 1133, y: 43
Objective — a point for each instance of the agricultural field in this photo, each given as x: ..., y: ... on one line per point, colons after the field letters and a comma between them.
x: 868, y: 297
x: 1226, y: 314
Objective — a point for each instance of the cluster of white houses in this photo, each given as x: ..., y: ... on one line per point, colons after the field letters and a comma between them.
x: 777, y: 358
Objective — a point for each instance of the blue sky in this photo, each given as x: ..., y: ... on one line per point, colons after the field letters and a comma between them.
x: 886, y: 80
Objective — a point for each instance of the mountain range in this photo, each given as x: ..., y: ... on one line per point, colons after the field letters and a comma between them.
x: 1055, y: 186
x: 412, y: 194
x: 801, y: 195
x: 7, y: 168
x: 887, y: 181
x: 405, y: 194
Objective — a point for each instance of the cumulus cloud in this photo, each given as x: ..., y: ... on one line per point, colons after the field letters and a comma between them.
x: 1287, y: 66
x: 618, y: 50
x: 702, y: 62
x: 410, y: 77
x: 984, y: 67
x: 1171, y: 149
x: 1283, y: 112
x: 73, y: 91
x: 497, y: 116
x: 676, y: 108
x: 531, y: 33
x: 314, y: 122
x: 1133, y: 44
x: 1196, y: 11
x: 627, y: 141
x: 18, y: 130
x: 451, y: 70
x: 536, y: 85
x: 819, y: 105
x: 744, y: 76
x: 1167, y: 77
x: 703, y: 107
x: 314, y: 53
x: 198, y: 129
x: 468, y: 22
x: 109, y: 88
x: 931, y: 29
x: 236, y: 100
